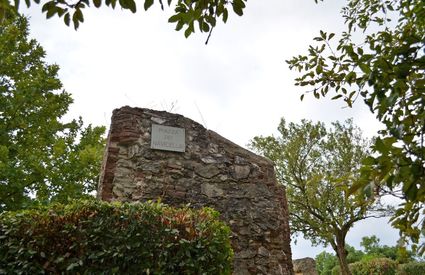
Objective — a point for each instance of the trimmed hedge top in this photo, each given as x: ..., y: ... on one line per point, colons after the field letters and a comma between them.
x: 92, y: 237
x: 412, y: 268
x: 377, y: 266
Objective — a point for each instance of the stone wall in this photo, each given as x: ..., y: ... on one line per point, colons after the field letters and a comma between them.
x: 212, y: 171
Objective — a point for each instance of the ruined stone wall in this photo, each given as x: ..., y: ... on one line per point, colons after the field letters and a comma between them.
x: 211, y: 171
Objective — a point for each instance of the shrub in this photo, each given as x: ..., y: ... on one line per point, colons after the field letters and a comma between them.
x: 92, y: 237
x: 336, y: 270
x: 378, y: 266
x: 412, y: 268
x: 325, y: 262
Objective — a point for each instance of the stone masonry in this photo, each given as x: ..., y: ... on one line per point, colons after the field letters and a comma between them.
x: 212, y: 171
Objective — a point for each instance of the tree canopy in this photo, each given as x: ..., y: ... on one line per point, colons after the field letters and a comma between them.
x: 42, y: 158
x: 188, y: 15
x: 380, y: 58
x: 318, y: 166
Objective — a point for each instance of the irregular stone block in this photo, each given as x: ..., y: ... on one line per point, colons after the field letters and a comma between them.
x: 242, y: 172
x: 207, y: 171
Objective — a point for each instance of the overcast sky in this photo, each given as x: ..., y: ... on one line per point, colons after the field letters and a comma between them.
x: 238, y: 85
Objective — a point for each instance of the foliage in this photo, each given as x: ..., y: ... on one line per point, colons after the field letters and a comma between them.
x: 353, y: 255
x: 373, y: 249
x: 379, y: 266
x: 412, y: 268
x: 380, y: 58
x: 41, y: 159
x: 187, y: 14
x: 325, y: 262
x: 336, y: 270
x: 370, y: 244
x: 317, y: 166
x: 93, y: 237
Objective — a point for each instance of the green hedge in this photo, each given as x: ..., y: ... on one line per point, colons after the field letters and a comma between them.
x: 413, y: 268
x: 377, y: 266
x: 92, y: 237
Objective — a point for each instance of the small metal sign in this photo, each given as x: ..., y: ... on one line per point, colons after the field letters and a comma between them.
x: 168, y: 138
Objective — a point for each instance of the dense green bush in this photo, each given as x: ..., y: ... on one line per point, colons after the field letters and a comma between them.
x: 91, y: 237
x: 378, y: 266
x: 336, y: 270
x: 325, y: 262
x: 412, y: 268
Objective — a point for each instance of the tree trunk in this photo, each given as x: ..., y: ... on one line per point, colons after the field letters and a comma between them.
x: 342, y: 253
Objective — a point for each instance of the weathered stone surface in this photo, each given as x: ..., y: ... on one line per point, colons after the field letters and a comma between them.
x: 207, y: 171
x: 211, y: 172
x: 242, y: 172
x: 262, y: 251
x: 305, y: 266
x: 211, y: 190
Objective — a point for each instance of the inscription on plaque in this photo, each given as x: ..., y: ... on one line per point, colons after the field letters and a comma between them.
x: 168, y: 138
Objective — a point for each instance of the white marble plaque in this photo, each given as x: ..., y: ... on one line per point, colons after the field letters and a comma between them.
x: 168, y: 138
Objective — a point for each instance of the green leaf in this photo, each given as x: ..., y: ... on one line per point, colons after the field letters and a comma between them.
x: 211, y: 20
x: 380, y: 146
x: 225, y: 15
x: 97, y: 3
x: 50, y: 12
x: 336, y: 97
x: 354, y: 188
x: 365, y: 68
x: 111, y: 3
x: 179, y: 25
x: 76, y: 18
x: 350, y: 77
x: 188, y: 31
x: 47, y: 6
x: 319, y: 69
x: 148, y: 4
x: 205, y: 27
x: 131, y: 5
x: 71, y: 266
x: 123, y: 4
x: 237, y: 8
x: 61, y: 11
x: 67, y: 19
x: 369, y: 161
x: 174, y: 18
x: 79, y: 15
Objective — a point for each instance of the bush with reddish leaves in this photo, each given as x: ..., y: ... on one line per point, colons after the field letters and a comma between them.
x: 93, y: 237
